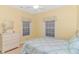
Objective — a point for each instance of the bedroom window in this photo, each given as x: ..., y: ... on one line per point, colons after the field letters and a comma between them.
x: 26, y: 28
x: 50, y: 28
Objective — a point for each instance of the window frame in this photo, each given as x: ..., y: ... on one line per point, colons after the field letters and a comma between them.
x: 28, y: 28
x: 50, y: 29
x: 44, y: 26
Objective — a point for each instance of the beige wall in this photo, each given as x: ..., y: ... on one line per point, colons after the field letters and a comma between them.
x: 78, y: 18
x: 66, y: 18
x: 16, y: 15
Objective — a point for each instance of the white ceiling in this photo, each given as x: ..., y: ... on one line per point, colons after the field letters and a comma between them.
x: 42, y: 8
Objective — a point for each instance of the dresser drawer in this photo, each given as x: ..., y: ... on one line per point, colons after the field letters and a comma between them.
x: 9, y: 41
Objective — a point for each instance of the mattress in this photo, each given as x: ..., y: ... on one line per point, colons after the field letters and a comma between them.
x: 45, y: 45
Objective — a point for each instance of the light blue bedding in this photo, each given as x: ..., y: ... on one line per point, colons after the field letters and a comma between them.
x: 46, y: 46
x: 74, y: 45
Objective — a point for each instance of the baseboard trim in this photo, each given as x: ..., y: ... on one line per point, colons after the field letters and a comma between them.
x: 10, y: 50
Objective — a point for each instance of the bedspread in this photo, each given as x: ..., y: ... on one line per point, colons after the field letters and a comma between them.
x: 46, y: 45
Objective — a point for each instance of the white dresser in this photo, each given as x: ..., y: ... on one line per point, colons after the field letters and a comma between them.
x: 8, y: 41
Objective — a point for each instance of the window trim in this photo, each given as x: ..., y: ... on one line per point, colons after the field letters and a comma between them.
x: 29, y: 27
x: 44, y: 30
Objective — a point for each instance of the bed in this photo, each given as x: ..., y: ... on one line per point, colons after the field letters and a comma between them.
x: 46, y: 45
x: 50, y: 45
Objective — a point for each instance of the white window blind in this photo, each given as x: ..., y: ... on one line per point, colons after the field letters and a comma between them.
x: 26, y: 28
x: 50, y: 28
